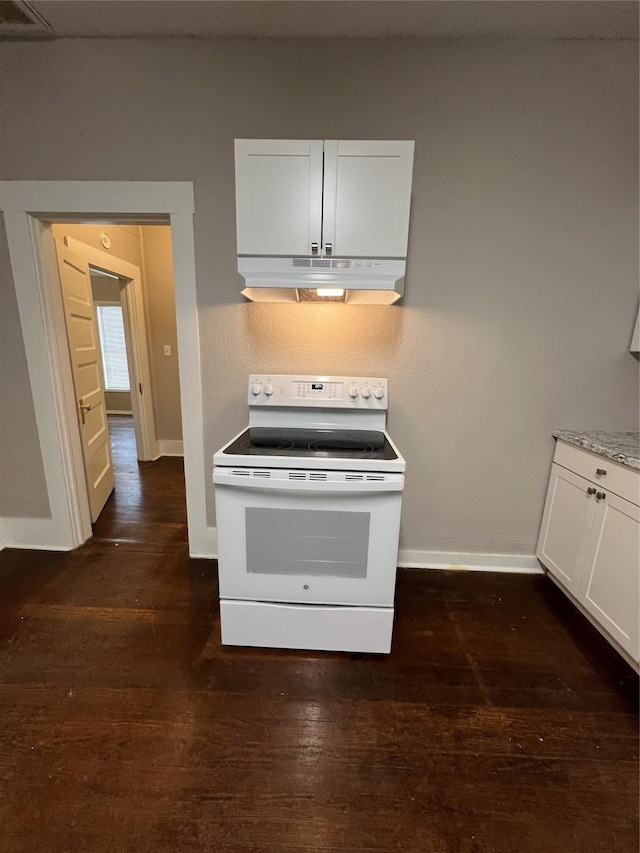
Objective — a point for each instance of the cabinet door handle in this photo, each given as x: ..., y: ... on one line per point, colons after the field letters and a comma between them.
x: 591, y: 490
x: 328, y: 249
x: 601, y: 472
x: 600, y: 496
x: 314, y: 248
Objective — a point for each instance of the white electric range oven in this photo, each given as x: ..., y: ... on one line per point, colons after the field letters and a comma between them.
x: 308, y: 502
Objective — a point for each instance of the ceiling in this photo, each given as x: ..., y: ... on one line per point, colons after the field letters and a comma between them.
x: 323, y: 18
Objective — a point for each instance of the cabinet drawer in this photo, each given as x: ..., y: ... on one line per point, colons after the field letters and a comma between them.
x: 618, y: 479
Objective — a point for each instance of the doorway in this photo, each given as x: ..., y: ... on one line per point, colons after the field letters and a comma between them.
x: 32, y: 253
x: 119, y: 308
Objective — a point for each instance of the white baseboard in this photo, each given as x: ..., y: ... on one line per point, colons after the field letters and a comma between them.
x: 515, y: 563
x: 171, y: 448
x: 207, y: 549
x: 37, y: 534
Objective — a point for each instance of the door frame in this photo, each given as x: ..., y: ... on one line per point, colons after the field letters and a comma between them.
x: 133, y: 309
x: 27, y: 206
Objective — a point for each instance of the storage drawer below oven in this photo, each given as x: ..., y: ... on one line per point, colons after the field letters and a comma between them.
x: 306, y: 626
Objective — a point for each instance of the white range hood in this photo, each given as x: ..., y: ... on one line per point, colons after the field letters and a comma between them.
x: 357, y: 281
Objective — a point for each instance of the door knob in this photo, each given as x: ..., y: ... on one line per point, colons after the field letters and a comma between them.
x: 84, y: 407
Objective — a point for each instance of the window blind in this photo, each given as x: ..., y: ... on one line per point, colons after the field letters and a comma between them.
x: 112, y: 344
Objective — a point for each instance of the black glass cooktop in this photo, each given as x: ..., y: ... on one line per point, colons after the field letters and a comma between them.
x: 326, y: 443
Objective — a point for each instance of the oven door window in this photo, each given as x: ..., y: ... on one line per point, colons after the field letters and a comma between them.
x: 307, y: 542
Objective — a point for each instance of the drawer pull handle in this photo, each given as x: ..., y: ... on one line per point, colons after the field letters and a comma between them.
x: 601, y: 472
x: 600, y: 496
x: 591, y: 490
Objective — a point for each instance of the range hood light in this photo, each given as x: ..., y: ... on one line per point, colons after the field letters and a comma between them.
x: 330, y: 291
x: 321, y: 294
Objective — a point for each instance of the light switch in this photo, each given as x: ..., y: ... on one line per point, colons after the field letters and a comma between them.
x: 167, y: 349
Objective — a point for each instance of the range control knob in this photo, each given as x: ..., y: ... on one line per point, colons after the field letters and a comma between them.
x: 256, y: 388
x: 268, y: 389
x: 353, y: 392
x: 366, y: 392
x: 378, y: 392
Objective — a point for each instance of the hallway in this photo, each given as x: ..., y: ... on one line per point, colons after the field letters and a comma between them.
x: 148, y: 503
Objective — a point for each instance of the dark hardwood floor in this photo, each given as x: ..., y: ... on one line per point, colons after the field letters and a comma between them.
x: 502, y: 721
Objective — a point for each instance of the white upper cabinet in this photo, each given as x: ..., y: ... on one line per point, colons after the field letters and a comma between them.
x: 278, y: 196
x: 367, y: 196
x: 305, y: 197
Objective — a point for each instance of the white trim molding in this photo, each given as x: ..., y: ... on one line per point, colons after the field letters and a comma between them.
x: 133, y: 198
x: 26, y: 205
x: 37, y: 534
x: 514, y: 563
x: 210, y: 549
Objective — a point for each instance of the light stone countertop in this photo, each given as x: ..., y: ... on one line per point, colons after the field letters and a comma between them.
x: 622, y: 447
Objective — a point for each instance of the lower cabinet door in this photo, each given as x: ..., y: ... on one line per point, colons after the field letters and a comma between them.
x: 566, y: 525
x: 610, y: 587
x: 634, y: 645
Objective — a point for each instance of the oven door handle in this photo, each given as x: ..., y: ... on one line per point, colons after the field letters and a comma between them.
x: 353, y: 487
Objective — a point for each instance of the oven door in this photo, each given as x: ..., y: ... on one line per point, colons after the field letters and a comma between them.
x: 306, y: 540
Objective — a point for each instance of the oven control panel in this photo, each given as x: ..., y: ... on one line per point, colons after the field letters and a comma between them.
x: 339, y: 392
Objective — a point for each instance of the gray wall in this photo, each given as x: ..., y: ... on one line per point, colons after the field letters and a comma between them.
x: 522, y: 272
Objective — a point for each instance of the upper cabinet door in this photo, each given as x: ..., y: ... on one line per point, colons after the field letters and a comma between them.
x: 278, y: 196
x: 367, y: 197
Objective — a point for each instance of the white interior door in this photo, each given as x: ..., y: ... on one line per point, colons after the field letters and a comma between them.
x: 86, y: 366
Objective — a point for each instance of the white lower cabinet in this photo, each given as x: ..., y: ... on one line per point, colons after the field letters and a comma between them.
x: 609, y: 582
x: 590, y: 542
x: 566, y: 524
